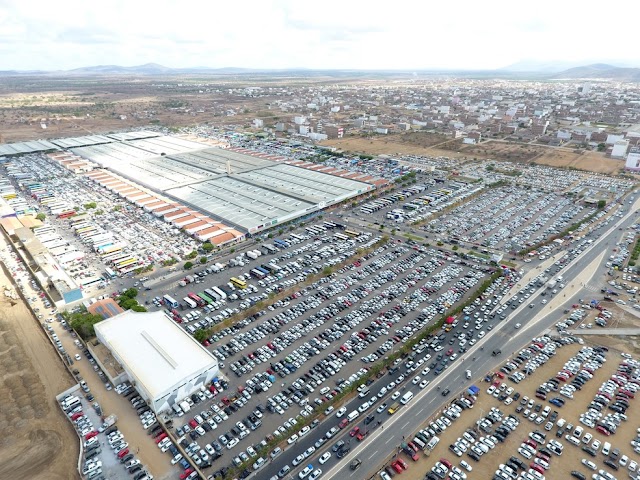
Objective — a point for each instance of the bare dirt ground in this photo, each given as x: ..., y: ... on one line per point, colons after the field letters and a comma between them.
x: 37, y: 442
x: 435, y: 145
x: 561, y: 467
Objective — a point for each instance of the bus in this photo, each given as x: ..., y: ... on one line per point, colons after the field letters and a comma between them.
x: 190, y: 303
x: 109, y: 273
x: 263, y: 270
x: 297, y: 238
x: 111, y: 249
x: 67, y: 214
x: 341, y: 236
x: 351, y: 233
x: 126, y: 263
x: 257, y: 273
x: 170, y: 301
x: 88, y: 282
x: 205, y: 297
x: 115, y: 257
x: 281, y: 243
x: 238, y: 283
x: 329, y: 225
x: 131, y: 268
x: 199, y: 301
x: 220, y: 292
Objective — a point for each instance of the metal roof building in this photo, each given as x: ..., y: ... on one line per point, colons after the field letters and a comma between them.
x: 251, y: 192
x: 162, y: 361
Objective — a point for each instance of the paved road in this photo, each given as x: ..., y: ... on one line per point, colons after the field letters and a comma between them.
x: 534, y: 322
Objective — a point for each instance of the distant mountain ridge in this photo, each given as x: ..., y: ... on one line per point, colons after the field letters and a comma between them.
x: 521, y: 70
x: 601, y: 70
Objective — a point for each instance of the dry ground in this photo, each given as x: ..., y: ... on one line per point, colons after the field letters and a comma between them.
x: 37, y: 442
x: 560, y: 466
x: 435, y: 145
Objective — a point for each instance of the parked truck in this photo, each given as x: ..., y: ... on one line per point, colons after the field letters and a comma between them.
x: 184, y: 405
x: 551, y: 284
x: 109, y: 421
x: 252, y: 254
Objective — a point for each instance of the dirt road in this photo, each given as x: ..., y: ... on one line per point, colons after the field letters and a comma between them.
x: 37, y: 442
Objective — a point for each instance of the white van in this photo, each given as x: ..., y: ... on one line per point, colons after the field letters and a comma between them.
x: 432, y: 443
x: 606, y: 448
x: 406, y: 398
x: 419, y: 442
x: 364, y: 392
x: 353, y: 415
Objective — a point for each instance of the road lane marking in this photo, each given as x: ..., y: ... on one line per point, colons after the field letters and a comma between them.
x: 388, y: 440
x: 405, y: 425
x: 373, y: 454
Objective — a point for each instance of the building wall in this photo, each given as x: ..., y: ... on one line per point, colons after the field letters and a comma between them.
x: 180, y: 391
x: 176, y: 393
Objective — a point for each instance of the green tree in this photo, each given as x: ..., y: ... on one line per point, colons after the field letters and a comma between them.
x: 188, y: 266
x: 602, y: 147
x: 200, y: 335
x: 207, y: 247
x: 130, y: 293
x: 601, y: 204
x: 203, y: 260
x: 41, y: 216
x: 192, y: 255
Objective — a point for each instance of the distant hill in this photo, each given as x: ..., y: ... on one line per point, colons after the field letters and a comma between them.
x: 601, y: 70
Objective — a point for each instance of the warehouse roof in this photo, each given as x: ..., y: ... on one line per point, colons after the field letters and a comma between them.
x: 152, y: 348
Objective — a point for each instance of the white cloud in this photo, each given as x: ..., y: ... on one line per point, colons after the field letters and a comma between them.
x: 343, y: 34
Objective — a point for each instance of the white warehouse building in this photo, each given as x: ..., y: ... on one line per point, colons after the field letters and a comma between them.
x: 162, y: 361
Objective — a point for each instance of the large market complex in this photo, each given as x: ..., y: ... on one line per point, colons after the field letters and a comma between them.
x: 215, y: 194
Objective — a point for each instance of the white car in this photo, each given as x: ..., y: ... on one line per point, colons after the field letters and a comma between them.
x: 324, y: 458
x: 341, y: 411
x: 416, y: 380
x: 424, y: 383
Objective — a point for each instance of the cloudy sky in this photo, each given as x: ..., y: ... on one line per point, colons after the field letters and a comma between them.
x: 325, y: 34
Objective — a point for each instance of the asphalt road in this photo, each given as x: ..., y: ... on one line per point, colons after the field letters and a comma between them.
x: 382, y: 442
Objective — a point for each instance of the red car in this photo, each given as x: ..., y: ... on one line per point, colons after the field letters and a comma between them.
x: 603, y: 430
x: 159, y: 438
x: 122, y: 453
x: 91, y: 434
x: 402, y: 463
x: 343, y: 423
x: 354, y: 431
x: 193, y: 423
x: 446, y: 463
x: 397, y: 467
x: 450, y: 352
x: 186, y: 473
x: 77, y: 415
x: 531, y: 443
x: 361, y: 436
x: 537, y: 468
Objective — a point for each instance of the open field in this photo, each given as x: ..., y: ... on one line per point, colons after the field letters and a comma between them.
x: 36, y: 442
x: 437, y: 145
x: 560, y: 466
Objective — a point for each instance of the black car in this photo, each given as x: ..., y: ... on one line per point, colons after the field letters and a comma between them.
x: 446, y: 392
x: 589, y: 451
x: 578, y: 475
x: 369, y: 419
x: 343, y: 451
x: 610, y: 463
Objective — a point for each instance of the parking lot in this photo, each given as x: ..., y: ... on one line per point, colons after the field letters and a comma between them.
x: 382, y: 291
x: 496, y: 219
x: 478, y: 442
